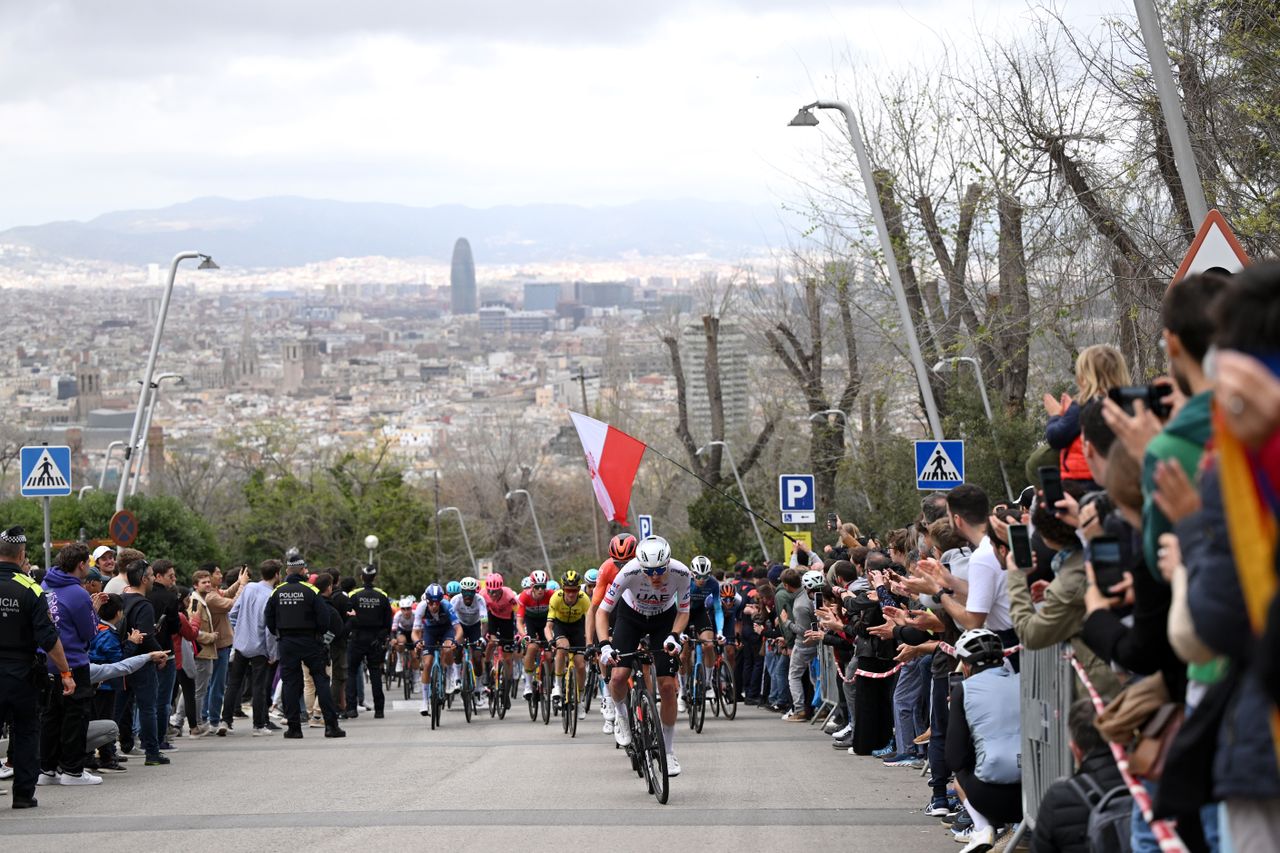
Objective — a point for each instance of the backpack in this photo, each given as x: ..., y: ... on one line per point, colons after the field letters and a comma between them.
x: 1107, y: 830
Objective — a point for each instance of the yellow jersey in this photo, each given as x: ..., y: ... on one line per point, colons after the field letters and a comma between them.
x: 560, y: 610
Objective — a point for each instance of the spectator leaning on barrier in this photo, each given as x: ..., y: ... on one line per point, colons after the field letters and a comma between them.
x: 803, y: 623
x: 1062, y: 822
x: 982, y: 601
x: 1245, y: 776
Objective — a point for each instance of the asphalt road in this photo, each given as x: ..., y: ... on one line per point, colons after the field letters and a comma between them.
x: 749, y: 784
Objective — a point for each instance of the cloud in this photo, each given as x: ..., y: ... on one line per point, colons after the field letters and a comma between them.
x: 112, y: 104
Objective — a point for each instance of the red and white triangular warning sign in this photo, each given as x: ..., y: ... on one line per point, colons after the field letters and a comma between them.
x: 1215, y: 247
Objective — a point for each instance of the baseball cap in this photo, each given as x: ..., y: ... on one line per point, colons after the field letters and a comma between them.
x: 98, y: 552
x: 94, y: 575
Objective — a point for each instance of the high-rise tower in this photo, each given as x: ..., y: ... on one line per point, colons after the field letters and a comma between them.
x: 462, y: 279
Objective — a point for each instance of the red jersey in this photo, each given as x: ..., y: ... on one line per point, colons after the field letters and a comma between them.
x: 527, y: 605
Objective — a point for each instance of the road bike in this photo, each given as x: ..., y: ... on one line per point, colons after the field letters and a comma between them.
x: 647, y: 750
x: 723, y: 687
x: 469, y: 678
x: 591, y: 687
x: 696, y: 702
x: 500, y: 695
x: 540, y: 693
x: 567, y: 706
x: 438, y: 689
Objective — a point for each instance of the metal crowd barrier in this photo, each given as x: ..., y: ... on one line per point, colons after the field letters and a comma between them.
x: 1047, y: 683
x: 827, y: 682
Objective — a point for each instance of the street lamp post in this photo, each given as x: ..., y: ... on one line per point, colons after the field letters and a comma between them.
x: 83, y: 489
x: 465, y: 538
x: 806, y: 118
x: 152, y: 398
x: 986, y: 407
x: 536, y: 529
x: 206, y: 263
x: 371, y: 543
x: 764, y: 553
x: 106, y: 463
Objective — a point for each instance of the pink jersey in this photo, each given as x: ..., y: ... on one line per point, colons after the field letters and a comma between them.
x: 501, y: 606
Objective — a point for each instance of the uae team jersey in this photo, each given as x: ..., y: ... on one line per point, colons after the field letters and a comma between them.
x: 501, y: 606
x: 649, y: 596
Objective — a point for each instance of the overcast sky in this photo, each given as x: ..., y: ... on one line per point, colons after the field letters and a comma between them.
x: 107, y: 105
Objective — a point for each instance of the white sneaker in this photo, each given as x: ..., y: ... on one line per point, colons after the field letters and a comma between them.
x: 481, y: 702
x: 5, y: 771
x: 622, y: 731
x: 528, y: 686
x: 980, y: 840
x: 608, y: 710
x: 842, y: 733
x: 673, y: 764
x: 263, y: 732
x: 223, y: 729
x: 555, y: 691
x: 607, y: 728
x: 85, y: 778
x: 426, y: 702
x: 49, y: 778
x: 680, y: 706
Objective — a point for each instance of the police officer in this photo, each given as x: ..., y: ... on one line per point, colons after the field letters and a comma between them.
x: 24, y: 626
x: 302, y: 621
x: 370, y: 630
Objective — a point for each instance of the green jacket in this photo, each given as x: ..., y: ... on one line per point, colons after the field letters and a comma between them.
x: 1183, y: 439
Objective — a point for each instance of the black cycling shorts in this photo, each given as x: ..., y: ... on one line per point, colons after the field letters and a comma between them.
x: 471, y: 633
x: 632, y: 626
x: 576, y: 632
x: 503, y: 629
x: 699, y: 621
x: 536, y: 627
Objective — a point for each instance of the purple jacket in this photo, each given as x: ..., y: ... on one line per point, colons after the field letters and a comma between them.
x: 71, y: 610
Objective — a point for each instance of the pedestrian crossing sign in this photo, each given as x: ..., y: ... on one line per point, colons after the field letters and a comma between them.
x: 939, y: 464
x: 46, y: 471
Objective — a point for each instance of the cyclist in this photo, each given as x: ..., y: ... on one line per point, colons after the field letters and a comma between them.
x: 434, y: 625
x: 451, y: 590
x: 525, y: 582
x: 651, y: 595
x: 473, y: 616
x: 706, y: 620
x: 402, y: 630
x: 531, y: 620
x: 621, y: 549
x: 567, y: 626
x: 589, y: 580
x: 730, y: 611
x: 500, y: 601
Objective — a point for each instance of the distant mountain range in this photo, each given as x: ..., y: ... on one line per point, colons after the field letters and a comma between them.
x: 288, y: 231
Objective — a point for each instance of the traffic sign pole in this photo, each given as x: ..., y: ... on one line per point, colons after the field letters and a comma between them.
x: 48, y: 538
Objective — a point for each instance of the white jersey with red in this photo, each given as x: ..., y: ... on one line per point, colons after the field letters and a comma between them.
x: 649, y: 596
x: 528, y: 607
x: 502, y: 604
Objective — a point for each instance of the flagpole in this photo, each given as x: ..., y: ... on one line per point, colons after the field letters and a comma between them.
x: 595, y: 521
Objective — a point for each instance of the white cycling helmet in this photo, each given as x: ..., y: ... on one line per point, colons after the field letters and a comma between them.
x: 653, y: 552
x: 980, y: 646
x: 812, y: 579
x: 526, y: 582
x: 407, y: 601
x: 700, y: 566
x: 538, y: 578
x: 469, y: 584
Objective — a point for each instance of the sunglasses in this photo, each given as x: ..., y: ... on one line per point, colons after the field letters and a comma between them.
x: 662, y: 570
x: 540, y: 587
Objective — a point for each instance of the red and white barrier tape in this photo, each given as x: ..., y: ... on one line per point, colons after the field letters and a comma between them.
x: 1164, y: 832
x: 948, y: 649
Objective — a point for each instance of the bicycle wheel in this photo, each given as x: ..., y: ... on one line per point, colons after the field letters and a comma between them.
x: 572, y: 697
x: 564, y: 700
x: 590, y: 687
x: 698, y: 708
x: 406, y: 680
x: 500, y: 700
x: 632, y: 712
x: 468, y: 688
x: 727, y: 690
x: 545, y: 674
x: 654, y: 756
x: 437, y: 693
x: 535, y: 698
x: 389, y: 671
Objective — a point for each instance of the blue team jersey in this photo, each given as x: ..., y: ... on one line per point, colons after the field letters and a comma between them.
x: 444, y: 617
x: 700, y: 594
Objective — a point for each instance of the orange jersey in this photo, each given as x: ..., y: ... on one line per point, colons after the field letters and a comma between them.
x: 608, y: 572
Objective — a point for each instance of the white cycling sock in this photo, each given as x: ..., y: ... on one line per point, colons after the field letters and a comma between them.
x: 669, y: 736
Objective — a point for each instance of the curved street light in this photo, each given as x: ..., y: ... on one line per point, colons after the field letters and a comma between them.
x: 536, y: 529
x: 465, y: 538
x: 106, y: 463
x: 152, y: 399
x: 986, y: 407
x: 206, y: 263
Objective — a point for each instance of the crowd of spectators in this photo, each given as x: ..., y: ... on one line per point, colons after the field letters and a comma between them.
x: 1143, y: 556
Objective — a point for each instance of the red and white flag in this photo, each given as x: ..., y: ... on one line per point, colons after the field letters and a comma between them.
x: 613, y: 457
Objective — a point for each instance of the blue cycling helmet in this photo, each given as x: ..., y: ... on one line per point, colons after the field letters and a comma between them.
x: 453, y: 588
x: 552, y: 586
x: 593, y: 575
x: 434, y: 592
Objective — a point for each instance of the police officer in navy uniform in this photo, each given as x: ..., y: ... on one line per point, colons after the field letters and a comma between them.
x: 25, y: 626
x: 370, y: 630
x: 303, y: 622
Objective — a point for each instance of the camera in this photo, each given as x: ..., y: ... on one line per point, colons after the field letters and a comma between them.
x: 1153, y: 396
